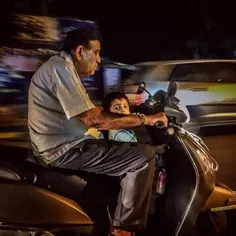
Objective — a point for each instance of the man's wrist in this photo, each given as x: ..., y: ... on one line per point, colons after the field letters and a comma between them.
x: 142, y: 118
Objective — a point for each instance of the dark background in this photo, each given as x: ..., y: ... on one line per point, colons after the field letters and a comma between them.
x: 145, y: 32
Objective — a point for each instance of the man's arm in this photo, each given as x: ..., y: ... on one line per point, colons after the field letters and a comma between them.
x: 99, y: 119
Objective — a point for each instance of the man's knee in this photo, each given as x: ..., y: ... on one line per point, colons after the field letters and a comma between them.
x: 147, y: 151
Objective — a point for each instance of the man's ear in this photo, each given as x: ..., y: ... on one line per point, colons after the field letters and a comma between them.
x: 78, y: 53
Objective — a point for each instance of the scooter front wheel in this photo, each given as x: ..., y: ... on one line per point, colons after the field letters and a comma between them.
x: 209, y: 223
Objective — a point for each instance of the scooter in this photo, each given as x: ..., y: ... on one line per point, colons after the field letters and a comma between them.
x: 37, y: 200
x: 193, y: 202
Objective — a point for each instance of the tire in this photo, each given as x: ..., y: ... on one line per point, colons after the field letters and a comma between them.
x: 231, y: 223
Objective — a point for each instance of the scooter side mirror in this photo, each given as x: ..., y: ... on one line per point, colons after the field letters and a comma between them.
x: 141, y: 88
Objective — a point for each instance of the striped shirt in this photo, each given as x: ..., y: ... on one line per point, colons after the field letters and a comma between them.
x: 123, y: 135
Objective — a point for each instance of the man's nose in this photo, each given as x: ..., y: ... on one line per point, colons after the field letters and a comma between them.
x: 98, y: 59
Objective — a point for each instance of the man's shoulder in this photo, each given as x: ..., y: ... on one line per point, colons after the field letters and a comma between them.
x: 57, y: 61
x: 61, y: 61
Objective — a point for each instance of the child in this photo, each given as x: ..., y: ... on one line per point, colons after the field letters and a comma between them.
x: 117, y: 102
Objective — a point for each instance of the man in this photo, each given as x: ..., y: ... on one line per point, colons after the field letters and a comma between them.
x: 60, y: 114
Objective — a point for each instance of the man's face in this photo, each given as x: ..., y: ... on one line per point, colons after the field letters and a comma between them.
x: 89, y: 58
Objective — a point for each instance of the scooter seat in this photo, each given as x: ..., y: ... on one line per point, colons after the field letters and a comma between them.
x: 37, y: 167
x: 34, y: 160
x: 31, y: 159
x: 8, y: 174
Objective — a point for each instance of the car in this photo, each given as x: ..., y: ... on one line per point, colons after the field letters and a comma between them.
x: 206, y: 88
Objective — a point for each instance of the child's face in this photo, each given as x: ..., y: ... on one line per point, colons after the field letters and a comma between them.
x: 120, y: 106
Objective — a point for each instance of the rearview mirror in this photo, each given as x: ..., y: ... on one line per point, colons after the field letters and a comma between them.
x: 141, y: 88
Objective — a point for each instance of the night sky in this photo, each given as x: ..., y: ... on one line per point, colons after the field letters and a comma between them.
x: 142, y: 33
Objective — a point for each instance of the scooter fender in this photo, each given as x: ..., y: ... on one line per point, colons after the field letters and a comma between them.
x: 25, y: 204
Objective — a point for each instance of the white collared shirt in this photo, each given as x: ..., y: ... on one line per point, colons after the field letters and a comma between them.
x: 56, y: 97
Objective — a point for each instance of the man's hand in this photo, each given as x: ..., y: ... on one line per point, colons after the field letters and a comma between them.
x: 153, y: 119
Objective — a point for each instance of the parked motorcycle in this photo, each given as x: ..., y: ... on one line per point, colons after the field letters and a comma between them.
x: 37, y: 200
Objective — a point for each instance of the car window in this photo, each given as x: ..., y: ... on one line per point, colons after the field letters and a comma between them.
x: 153, y: 73
x: 142, y: 73
x: 221, y: 72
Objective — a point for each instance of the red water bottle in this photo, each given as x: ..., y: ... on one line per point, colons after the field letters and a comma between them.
x: 161, y: 182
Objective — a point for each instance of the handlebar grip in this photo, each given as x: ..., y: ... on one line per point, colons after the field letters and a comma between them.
x: 159, y: 124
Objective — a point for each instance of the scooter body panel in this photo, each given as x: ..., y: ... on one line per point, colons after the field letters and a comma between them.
x: 189, y: 185
x: 25, y: 204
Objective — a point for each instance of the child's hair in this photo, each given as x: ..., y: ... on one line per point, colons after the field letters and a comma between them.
x: 112, y: 96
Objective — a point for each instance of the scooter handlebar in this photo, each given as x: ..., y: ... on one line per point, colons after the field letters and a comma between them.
x: 169, y: 130
x: 159, y: 124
